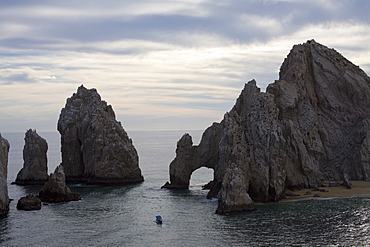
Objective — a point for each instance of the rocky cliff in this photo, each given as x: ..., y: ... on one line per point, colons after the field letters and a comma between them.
x: 95, y: 147
x: 4, y: 199
x: 310, y: 128
x: 35, y: 169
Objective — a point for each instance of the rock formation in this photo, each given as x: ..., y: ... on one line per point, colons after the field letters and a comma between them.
x: 95, y: 147
x: 309, y: 128
x: 29, y: 202
x: 56, y: 190
x: 35, y: 169
x: 233, y: 196
x: 4, y: 199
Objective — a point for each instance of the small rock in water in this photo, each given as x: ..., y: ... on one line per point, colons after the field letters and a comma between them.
x: 29, y: 202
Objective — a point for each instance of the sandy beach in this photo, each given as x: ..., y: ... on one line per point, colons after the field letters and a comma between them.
x: 359, y: 188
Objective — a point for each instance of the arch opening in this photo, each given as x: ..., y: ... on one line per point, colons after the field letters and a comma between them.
x: 201, y: 177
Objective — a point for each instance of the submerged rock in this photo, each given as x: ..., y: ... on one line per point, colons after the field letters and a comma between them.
x: 35, y: 169
x: 95, y: 147
x: 4, y: 198
x: 29, y: 202
x: 56, y: 190
x: 309, y: 128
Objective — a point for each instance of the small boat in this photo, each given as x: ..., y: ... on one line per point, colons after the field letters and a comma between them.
x: 158, y: 219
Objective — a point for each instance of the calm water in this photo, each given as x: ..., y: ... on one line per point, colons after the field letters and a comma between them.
x: 124, y: 216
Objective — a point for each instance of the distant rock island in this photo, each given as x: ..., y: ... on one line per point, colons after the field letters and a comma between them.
x: 95, y: 147
x: 310, y: 128
x: 4, y: 198
x: 35, y: 168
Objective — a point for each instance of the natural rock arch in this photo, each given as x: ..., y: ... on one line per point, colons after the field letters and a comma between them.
x: 310, y: 128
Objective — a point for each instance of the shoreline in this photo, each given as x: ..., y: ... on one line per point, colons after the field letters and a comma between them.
x: 359, y: 189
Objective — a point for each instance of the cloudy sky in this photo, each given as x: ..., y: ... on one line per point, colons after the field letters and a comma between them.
x: 176, y: 64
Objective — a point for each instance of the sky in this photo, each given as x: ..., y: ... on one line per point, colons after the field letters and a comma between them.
x: 162, y: 65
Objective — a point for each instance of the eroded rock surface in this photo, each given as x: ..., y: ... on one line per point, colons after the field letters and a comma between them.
x: 4, y: 198
x: 35, y: 169
x: 309, y: 128
x: 95, y: 147
x: 29, y: 203
x: 56, y: 189
x: 233, y: 196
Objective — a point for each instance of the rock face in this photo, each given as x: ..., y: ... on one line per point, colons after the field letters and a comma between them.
x: 56, y: 190
x: 95, y: 147
x: 4, y: 199
x: 233, y: 196
x: 35, y: 169
x: 29, y: 202
x: 309, y: 128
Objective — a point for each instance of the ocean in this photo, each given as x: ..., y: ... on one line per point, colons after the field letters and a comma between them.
x: 125, y: 215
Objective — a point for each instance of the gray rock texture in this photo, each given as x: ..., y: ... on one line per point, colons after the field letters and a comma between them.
x: 233, y: 196
x: 309, y: 128
x: 95, y: 147
x: 56, y: 189
x: 29, y: 203
x: 4, y: 198
x: 35, y: 168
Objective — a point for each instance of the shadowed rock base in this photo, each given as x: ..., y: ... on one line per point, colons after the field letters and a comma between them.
x: 56, y: 190
x: 4, y: 199
x: 29, y: 202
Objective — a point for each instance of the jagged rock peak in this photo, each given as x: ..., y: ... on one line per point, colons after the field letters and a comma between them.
x: 56, y: 189
x: 95, y: 147
x: 4, y: 199
x: 311, y: 127
x: 35, y: 170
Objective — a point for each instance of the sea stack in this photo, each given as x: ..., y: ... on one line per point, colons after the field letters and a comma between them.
x: 4, y: 199
x: 311, y: 127
x: 56, y: 190
x: 95, y: 147
x: 35, y: 169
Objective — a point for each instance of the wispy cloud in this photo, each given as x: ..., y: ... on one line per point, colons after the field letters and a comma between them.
x: 170, y: 64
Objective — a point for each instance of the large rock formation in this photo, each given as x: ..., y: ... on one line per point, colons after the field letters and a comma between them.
x: 95, y: 147
x: 35, y: 169
x: 56, y: 190
x: 309, y: 128
x: 4, y: 199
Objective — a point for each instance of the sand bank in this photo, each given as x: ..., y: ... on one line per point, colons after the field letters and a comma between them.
x: 359, y: 188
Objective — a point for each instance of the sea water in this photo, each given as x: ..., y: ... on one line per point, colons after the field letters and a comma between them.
x: 125, y: 215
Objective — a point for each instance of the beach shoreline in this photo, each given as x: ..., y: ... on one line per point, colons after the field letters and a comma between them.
x: 359, y: 189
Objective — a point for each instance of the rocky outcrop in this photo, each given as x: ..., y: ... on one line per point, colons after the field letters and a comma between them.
x: 309, y: 128
x: 4, y: 199
x: 29, y: 203
x: 95, y: 147
x: 35, y: 169
x: 56, y: 190
x: 233, y: 196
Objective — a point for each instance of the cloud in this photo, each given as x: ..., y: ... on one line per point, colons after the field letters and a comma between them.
x: 160, y: 60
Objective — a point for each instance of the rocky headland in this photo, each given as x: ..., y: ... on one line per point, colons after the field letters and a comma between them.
x: 310, y: 128
x: 35, y: 169
x: 4, y: 198
x: 95, y: 147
